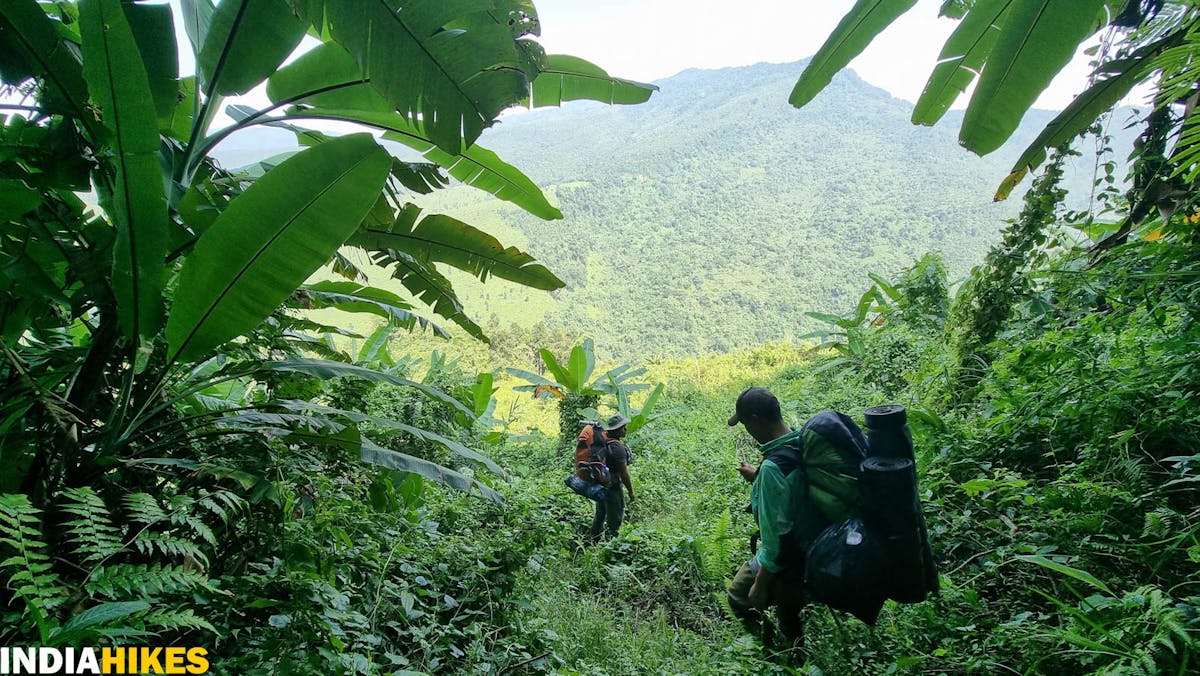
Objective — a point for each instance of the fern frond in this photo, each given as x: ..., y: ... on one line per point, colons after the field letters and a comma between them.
x: 168, y: 545
x: 197, y: 527
x: 92, y: 533
x: 175, y: 619
x: 716, y: 548
x: 31, y: 578
x: 126, y: 581
x: 144, y: 508
x: 221, y: 503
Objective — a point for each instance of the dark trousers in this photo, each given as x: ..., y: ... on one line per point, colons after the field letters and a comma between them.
x: 609, y: 512
x: 786, y: 595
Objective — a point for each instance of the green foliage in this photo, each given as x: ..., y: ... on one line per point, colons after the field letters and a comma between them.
x: 855, y: 31
x: 638, y: 247
x: 985, y: 302
x: 102, y: 596
x: 1016, y: 49
x: 215, y: 253
x: 577, y: 391
x: 231, y: 281
x: 157, y: 490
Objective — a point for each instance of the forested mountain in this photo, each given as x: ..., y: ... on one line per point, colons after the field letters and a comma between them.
x: 715, y: 215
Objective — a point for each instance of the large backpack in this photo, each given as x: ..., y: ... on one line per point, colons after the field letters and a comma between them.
x: 831, y: 450
x: 591, y: 455
x: 858, y: 531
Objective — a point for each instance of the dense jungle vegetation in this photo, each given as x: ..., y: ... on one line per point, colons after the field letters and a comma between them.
x: 762, y: 212
x: 203, y: 444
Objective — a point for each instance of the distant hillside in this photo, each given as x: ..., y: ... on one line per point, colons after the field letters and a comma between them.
x: 716, y: 215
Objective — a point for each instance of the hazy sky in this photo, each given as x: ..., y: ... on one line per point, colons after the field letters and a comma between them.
x: 650, y: 39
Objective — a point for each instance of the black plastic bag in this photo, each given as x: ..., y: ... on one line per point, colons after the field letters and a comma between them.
x: 847, y: 569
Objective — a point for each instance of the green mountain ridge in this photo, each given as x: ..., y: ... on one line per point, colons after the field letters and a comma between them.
x: 714, y: 216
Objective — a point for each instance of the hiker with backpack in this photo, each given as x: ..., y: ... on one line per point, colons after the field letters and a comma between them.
x: 807, y: 481
x: 610, y: 511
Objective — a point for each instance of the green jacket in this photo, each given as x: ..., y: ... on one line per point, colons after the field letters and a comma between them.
x: 806, y: 482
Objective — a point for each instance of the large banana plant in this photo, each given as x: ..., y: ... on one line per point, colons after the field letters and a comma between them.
x: 578, y: 392
x: 1011, y: 50
x: 575, y: 377
x: 847, y: 338
x: 107, y: 316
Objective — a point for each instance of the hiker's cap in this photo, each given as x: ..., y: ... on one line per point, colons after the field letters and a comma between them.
x: 615, y: 421
x: 757, y: 402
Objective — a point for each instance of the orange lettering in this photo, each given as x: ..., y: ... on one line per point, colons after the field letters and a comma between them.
x: 197, y: 661
x: 112, y: 661
x: 150, y: 662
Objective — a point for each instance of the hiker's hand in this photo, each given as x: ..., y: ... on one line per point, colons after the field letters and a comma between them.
x: 748, y: 471
x: 631, y: 498
x: 758, y: 595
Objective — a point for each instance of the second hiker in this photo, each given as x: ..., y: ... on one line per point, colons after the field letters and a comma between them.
x: 610, y: 512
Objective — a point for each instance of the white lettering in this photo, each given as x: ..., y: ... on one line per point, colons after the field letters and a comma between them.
x: 24, y: 661
x: 88, y: 662
x: 50, y: 661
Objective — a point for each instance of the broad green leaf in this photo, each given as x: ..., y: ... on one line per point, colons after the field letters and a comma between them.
x: 246, y: 42
x: 319, y: 347
x: 387, y: 423
x: 1119, y: 77
x: 579, y: 365
x: 1081, y: 575
x: 448, y: 240
x: 643, y: 416
x: 1039, y: 37
x: 822, y: 334
x: 197, y: 17
x: 376, y: 347
x: 864, y: 306
x: 482, y: 392
x: 855, y: 342
x: 325, y: 370
x: 77, y: 628
x: 561, y: 375
x: 384, y: 457
x: 30, y: 278
x: 614, y: 380
x: 325, y: 77
x: 476, y: 166
x: 825, y: 317
x: 891, y: 291
x: 429, y: 285
x: 179, y: 123
x: 450, y: 66
x: 419, y: 177
x: 962, y: 56
x: 570, y: 78
x: 346, y: 268
x: 270, y: 239
x: 38, y: 42
x: 154, y: 32
x: 355, y: 297
x: 854, y: 32
x: 16, y: 199
x: 529, y: 376
x: 119, y: 87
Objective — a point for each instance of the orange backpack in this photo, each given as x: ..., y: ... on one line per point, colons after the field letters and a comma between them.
x: 591, y: 454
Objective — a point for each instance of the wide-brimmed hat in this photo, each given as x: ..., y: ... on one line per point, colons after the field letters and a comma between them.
x: 615, y: 421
